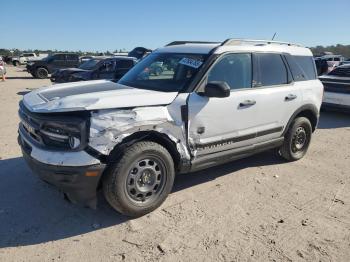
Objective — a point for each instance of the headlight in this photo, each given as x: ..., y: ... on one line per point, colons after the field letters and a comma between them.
x: 63, y: 131
x: 74, y: 142
x: 63, y: 136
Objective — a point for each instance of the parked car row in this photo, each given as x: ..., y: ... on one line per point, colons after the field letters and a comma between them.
x: 111, y: 67
x: 337, y: 88
x: 27, y: 57
x: 95, y: 68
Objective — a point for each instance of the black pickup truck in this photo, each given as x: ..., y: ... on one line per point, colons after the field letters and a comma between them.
x: 42, y: 68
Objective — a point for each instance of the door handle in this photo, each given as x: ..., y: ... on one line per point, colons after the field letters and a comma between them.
x: 247, y: 103
x: 290, y: 97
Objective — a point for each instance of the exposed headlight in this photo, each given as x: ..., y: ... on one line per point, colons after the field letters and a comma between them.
x: 64, y: 136
x: 74, y: 142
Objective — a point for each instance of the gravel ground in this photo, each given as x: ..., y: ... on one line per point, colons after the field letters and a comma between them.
x: 255, y: 209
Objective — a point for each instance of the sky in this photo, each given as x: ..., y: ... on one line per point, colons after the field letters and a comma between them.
x: 102, y: 25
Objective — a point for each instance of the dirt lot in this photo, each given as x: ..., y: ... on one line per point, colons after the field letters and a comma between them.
x: 255, y: 209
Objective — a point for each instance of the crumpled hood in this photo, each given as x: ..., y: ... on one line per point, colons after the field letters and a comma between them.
x: 92, y: 95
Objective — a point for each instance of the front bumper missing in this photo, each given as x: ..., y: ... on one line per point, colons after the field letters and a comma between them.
x: 78, y: 182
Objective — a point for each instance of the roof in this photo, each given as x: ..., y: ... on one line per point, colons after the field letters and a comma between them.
x: 239, y: 45
x: 123, y: 57
x: 188, y: 48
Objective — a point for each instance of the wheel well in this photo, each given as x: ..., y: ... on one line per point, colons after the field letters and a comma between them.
x: 153, y: 136
x: 309, y: 114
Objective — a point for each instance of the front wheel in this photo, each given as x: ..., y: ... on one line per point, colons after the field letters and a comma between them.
x: 41, y: 73
x: 297, y: 139
x: 141, y: 180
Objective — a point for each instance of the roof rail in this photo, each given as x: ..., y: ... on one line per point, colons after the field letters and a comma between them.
x: 190, y: 42
x: 238, y: 41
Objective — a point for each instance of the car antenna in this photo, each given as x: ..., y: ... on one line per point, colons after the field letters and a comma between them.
x: 274, y: 36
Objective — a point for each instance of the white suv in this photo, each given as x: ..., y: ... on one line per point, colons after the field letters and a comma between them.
x: 209, y: 104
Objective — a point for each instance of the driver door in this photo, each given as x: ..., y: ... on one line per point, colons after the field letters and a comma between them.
x: 217, y: 124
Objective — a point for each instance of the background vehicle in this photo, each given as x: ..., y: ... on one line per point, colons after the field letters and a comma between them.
x: 321, y: 66
x: 217, y: 102
x: 83, y: 59
x: 96, y: 68
x: 27, y: 57
x: 139, y: 52
x: 337, y: 88
x: 333, y: 61
x: 42, y: 68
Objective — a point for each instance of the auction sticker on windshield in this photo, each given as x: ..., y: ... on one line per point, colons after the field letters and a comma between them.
x: 191, y: 62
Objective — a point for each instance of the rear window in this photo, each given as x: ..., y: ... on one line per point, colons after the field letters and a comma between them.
x: 302, y: 67
x: 272, y: 70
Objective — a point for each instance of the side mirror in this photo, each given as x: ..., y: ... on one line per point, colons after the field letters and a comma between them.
x: 217, y: 89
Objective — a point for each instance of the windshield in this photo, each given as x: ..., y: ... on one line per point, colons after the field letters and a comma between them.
x: 167, y: 72
x: 89, y: 64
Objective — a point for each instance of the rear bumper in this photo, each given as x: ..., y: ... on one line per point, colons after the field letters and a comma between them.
x: 78, y: 182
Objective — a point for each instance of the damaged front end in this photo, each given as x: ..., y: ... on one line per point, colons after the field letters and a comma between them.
x: 53, y: 146
x: 71, y: 150
x: 111, y: 128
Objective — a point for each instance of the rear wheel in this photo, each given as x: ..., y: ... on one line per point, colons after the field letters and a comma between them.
x: 297, y: 139
x: 41, y: 73
x: 141, y: 180
x: 15, y: 63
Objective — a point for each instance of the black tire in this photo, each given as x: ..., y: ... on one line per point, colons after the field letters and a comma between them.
x: 141, y: 180
x: 41, y: 73
x: 15, y: 63
x: 297, y: 139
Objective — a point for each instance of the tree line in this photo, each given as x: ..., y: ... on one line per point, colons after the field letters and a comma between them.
x: 17, y: 52
x: 338, y: 49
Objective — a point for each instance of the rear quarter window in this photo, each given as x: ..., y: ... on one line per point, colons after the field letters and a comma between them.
x: 302, y: 67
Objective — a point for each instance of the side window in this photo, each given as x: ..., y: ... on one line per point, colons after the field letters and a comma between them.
x: 72, y: 57
x: 272, y: 70
x: 108, y: 66
x: 59, y: 57
x: 307, y: 65
x: 297, y: 71
x: 124, y: 64
x: 234, y: 69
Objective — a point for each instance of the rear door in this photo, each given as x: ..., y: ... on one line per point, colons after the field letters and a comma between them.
x: 279, y: 96
x: 72, y: 60
x: 58, y: 61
